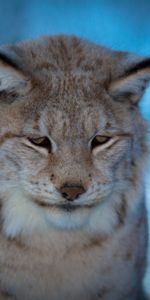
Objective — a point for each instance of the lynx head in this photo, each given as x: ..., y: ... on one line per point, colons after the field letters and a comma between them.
x: 71, y: 134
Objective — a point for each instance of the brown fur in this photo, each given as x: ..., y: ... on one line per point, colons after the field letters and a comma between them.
x: 70, y: 90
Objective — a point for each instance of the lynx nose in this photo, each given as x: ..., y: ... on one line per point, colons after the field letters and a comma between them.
x: 71, y: 192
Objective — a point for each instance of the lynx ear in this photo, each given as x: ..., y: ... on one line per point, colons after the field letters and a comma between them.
x: 12, y: 78
x: 132, y: 83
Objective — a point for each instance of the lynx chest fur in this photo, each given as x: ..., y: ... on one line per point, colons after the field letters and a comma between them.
x: 72, y: 154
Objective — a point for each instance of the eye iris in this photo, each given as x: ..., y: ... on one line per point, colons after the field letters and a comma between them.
x: 41, y: 142
x: 99, y: 140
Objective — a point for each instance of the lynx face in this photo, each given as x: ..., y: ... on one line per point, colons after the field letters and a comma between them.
x: 71, y: 134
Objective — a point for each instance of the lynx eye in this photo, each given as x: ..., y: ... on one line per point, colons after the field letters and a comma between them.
x: 99, y: 140
x: 41, y: 142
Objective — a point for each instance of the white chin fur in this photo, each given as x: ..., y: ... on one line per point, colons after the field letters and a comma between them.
x: 21, y: 216
x: 67, y: 220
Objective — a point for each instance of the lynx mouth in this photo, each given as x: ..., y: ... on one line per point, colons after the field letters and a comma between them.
x: 68, y: 207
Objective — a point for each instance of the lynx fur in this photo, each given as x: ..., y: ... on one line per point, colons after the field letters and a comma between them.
x: 73, y: 151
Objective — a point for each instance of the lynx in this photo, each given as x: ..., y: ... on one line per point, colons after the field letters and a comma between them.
x: 73, y: 150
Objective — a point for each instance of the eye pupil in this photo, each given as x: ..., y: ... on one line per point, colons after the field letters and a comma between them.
x: 99, y: 140
x: 41, y: 142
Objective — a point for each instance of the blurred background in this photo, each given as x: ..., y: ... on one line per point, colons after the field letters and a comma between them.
x: 117, y: 24
x: 122, y: 25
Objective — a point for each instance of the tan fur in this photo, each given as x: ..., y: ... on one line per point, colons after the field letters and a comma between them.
x: 70, y: 91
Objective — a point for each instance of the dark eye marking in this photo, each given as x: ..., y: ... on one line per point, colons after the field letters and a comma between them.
x: 99, y: 140
x: 43, y: 142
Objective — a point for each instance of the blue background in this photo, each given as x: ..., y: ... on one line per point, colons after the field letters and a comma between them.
x: 122, y: 25
x: 119, y: 24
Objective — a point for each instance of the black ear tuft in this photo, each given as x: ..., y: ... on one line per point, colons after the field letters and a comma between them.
x: 9, y: 57
x: 13, y: 81
x: 131, y: 84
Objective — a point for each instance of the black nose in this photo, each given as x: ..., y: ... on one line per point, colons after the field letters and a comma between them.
x: 71, y: 192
